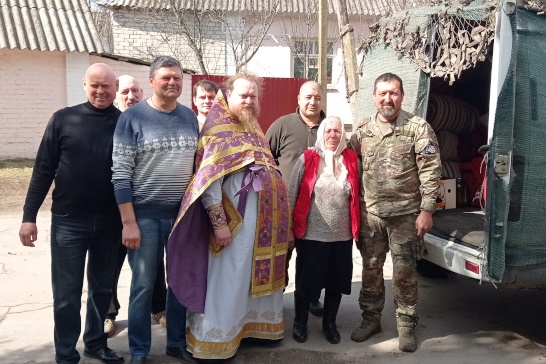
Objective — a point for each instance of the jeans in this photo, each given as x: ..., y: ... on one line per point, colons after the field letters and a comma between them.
x: 73, y: 238
x: 144, y: 262
x: 159, y: 296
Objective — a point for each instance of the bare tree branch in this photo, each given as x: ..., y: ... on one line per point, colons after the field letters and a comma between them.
x: 102, y: 18
x: 245, y: 33
x: 301, y: 29
x: 197, y: 36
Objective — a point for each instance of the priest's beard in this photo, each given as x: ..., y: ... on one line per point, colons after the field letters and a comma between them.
x: 248, y: 117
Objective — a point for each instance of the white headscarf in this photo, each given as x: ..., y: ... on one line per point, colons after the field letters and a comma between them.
x: 333, y: 159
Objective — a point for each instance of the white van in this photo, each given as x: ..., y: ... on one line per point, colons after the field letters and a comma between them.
x: 484, y: 66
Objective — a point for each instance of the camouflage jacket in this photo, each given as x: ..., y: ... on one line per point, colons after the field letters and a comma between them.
x: 401, y: 169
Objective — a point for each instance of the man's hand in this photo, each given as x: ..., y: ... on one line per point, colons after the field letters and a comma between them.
x: 423, y: 223
x: 223, y: 236
x: 131, y: 235
x: 28, y: 233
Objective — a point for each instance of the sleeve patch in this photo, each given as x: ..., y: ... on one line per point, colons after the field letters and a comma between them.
x: 430, y: 149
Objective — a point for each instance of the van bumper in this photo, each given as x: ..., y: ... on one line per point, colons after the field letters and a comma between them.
x: 455, y: 257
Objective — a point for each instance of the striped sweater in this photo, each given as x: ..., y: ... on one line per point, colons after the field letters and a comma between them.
x: 153, y: 158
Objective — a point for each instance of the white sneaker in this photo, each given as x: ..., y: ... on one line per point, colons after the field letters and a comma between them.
x: 160, y: 317
x: 110, y: 327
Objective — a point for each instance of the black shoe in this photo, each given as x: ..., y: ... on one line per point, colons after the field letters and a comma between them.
x: 106, y: 355
x: 299, y: 332
x: 263, y: 342
x: 332, y: 334
x: 138, y: 360
x: 181, y: 354
x: 316, y: 308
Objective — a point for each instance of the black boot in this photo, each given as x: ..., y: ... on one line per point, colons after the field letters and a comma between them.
x: 316, y: 308
x: 331, y: 306
x: 299, y: 330
x: 330, y: 330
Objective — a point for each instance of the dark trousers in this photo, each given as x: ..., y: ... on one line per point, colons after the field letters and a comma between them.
x: 288, y: 257
x: 159, y: 295
x: 73, y: 239
x: 321, y: 265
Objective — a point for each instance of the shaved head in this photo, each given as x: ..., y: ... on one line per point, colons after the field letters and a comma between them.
x: 310, y: 102
x: 102, y: 68
x: 100, y: 85
x: 310, y: 85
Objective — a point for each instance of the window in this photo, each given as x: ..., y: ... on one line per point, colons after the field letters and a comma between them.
x: 306, y: 59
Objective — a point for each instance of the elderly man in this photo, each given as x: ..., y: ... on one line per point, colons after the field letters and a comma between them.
x: 290, y: 135
x: 129, y: 94
x: 155, y: 143
x: 401, y: 163
x: 204, y: 92
x: 238, y: 197
x: 75, y: 152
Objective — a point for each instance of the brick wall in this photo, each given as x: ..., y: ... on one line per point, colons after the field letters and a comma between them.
x: 141, y: 35
x: 32, y: 85
x: 35, y: 84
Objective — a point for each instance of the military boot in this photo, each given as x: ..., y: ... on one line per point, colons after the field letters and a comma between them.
x: 369, y: 326
x: 406, y: 332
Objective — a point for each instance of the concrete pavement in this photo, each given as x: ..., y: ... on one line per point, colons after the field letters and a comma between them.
x: 461, y: 321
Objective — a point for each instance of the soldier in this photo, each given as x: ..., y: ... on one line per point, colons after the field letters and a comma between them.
x: 401, y: 169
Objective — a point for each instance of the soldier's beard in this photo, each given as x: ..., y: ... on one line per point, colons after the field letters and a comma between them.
x: 387, y: 111
x: 247, y: 116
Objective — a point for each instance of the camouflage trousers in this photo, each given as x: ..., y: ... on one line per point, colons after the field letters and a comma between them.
x: 377, y: 236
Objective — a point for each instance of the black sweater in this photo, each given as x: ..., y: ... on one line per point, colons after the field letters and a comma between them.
x: 76, y: 152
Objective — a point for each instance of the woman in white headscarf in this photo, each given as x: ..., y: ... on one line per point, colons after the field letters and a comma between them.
x: 324, y: 195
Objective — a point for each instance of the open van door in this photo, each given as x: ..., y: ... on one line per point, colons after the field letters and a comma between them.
x: 516, y: 184
x: 506, y: 240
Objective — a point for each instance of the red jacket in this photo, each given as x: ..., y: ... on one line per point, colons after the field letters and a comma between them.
x: 303, y: 203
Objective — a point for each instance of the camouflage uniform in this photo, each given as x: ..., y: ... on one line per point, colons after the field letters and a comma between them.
x: 400, y: 177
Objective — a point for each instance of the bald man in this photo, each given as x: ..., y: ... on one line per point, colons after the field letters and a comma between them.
x: 289, y: 136
x: 76, y: 153
x: 129, y: 92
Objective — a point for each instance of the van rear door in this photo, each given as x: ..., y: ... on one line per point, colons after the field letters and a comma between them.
x: 516, y: 186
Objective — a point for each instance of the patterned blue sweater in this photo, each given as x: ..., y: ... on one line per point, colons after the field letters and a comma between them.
x: 153, y: 158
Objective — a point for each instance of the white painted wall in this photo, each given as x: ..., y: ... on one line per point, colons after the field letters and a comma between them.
x: 76, y: 64
x: 274, y: 58
x: 35, y: 84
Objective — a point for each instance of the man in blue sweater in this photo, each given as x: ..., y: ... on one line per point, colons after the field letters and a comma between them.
x: 130, y: 94
x: 154, y: 148
x: 75, y: 152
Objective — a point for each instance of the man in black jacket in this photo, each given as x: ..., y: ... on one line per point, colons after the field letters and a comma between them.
x: 76, y: 153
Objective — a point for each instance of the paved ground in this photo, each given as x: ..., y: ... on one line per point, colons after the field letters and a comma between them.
x: 461, y: 321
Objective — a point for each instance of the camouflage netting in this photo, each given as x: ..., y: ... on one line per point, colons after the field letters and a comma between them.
x: 444, y: 38
x: 538, y: 6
